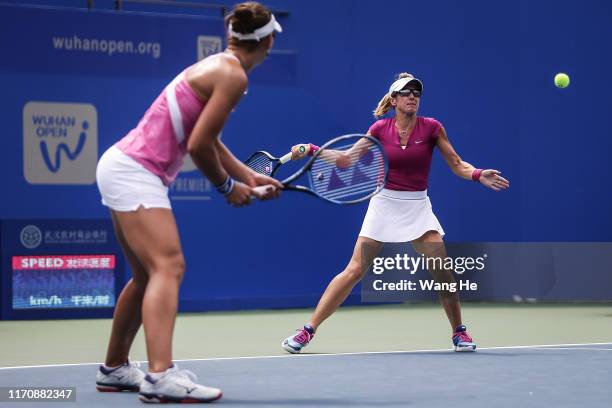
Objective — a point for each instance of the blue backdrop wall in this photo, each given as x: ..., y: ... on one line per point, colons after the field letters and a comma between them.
x: 487, y: 69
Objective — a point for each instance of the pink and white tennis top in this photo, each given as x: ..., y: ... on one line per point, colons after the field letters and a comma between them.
x: 409, y: 167
x: 159, y: 142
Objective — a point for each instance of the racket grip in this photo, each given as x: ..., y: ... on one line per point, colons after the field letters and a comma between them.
x: 285, y: 159
x: 260, y: 191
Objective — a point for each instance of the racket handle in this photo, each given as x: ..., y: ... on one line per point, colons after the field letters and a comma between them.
x: 285, y: 158
x: 288, y: 156
x: 260, y: 191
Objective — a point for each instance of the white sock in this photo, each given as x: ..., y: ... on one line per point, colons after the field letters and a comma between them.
x: 111, y: 368
x: 157, y: 376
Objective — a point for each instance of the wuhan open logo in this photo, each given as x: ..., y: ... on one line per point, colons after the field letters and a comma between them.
x: 60, y: 143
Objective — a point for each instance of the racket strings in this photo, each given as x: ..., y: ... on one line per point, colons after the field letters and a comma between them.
x: 346, y: 172
x: 261, y: 164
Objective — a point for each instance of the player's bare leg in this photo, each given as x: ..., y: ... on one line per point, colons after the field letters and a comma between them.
x: 153, y: 237
x: 337, y: 291
x: 127, y: 317
x: 432, y: 245
x: 341, y: 286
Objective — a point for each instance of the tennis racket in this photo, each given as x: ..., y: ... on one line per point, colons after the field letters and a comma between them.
x: 264, y: 163
x: 346, y: 170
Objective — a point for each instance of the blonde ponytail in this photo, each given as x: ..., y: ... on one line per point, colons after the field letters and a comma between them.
x: 385, y: 103
x: 383, y: 106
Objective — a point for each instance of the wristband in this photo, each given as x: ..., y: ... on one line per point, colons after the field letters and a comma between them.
x: 476, y: 174
x: 313, y: 149
x: 227, y: 186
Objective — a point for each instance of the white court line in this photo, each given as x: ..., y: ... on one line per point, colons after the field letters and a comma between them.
x: 574, y: 348
x: 568, y: 346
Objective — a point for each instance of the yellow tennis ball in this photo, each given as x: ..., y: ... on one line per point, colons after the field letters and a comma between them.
x: 562, y: 80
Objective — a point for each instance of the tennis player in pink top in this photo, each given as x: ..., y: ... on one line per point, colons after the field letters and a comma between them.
x: 402, y: 211
x: 133, y: 178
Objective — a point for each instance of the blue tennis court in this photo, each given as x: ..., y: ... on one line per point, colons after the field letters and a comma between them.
x: 564, y: 375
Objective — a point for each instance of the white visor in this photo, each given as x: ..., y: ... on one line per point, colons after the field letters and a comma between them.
x: 259, y: 33
x: 402, y: 82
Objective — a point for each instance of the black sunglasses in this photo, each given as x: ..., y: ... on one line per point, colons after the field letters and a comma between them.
x: 406, y: 92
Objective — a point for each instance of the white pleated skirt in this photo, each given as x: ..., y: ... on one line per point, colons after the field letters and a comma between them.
x: 399, y: 216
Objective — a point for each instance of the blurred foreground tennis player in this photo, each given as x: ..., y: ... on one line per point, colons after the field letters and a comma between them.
x: 133, y: 178
x: 402, y: 211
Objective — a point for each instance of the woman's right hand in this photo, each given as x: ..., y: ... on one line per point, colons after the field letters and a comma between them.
x: 240, y: 195
x: 300, y: 151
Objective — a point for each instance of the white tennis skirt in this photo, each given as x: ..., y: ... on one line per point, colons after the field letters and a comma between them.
x: 126, y: 185
x: 399, y: 216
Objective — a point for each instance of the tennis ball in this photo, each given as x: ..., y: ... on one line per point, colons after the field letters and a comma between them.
x: 561, y: 80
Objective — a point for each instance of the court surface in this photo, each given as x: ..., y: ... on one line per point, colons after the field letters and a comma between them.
x: 364, y: 356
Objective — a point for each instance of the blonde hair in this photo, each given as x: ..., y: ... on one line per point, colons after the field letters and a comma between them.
x: 385, y: 103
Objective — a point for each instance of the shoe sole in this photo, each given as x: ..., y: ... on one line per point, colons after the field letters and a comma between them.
x: 285, y: 345
x: 117, y: 388
x: 156, y: 399
x: 465, y: 348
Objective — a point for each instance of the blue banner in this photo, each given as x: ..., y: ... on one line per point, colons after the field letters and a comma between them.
x: 140, y: 45
x: 79, y: 42
x: 75, y: 82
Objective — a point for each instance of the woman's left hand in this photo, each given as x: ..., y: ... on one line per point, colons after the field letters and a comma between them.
x: 492, y: 178
x: 263, y: 180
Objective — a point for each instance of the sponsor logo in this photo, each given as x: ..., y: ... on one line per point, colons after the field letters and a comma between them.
x: 106, y: 46
x: 60, y: 143
x: 30, y: 236
x: 208, y: 45
x: 190, y: 184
